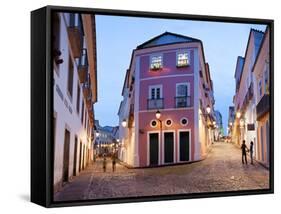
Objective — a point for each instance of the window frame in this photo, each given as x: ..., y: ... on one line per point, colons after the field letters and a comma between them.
x: 155, y: 87
x: 150, y: 61
x: 188, y: 58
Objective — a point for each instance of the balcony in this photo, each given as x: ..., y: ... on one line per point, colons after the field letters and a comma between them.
x: 248, y: 96
x: 87, y: 88
x: 263, y: 106
x: 155, y: 103
x: 83, y: 66
x: 75, y: 34
x: 183, y: 102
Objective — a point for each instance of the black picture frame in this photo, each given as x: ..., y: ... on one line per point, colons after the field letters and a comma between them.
x: 42, y: 102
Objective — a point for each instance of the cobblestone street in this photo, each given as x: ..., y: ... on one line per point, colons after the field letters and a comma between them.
x: 222, y: 170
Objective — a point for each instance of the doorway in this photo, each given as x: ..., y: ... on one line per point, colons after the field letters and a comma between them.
x: 66, y: 156
x: 75, y: 156
x: 153, y: 149
x: 184, y: 141
x: 168, y: 147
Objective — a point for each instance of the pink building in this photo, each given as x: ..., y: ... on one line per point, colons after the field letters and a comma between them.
x: 168, y: 75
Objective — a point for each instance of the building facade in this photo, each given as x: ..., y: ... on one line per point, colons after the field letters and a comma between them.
x: 231, y: 118
x: 218, y: 131
x: 75, y: 92
x: 246, y: 125
x: 261, y: 71
x: 166, y: 115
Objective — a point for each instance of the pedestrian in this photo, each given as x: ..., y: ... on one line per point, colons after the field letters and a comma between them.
x: 244, y: 152
x: 94, y: 158
x: 113, y: 162
x: 104, y: 163
x: 251, y: 151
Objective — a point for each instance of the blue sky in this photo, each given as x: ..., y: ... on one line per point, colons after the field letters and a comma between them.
x: 118, y: 36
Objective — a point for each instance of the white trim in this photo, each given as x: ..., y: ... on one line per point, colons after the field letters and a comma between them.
x: 152, y: 125
x: 197, y: 145
x: 166, y: 109
x: 163, y: 145
x: 167, y: 76
x: 155, y: 87
x: 148, y: 147
x: 186, y: 120
x: 170, y: 124
x: 136, y: 110
x: 178, y: 144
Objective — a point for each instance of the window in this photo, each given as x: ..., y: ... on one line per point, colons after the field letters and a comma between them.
x: 266, y: 82
x: 182, y: 59
x: 153, y: 123
x: 156, y: 62
x: 155, y: 92
x: 168, y: 122
x: 260, y: 88
x: 184, y: 121
x: 182, y: 98
x: 70, y: 77
x: 78, y: 98
x: 155, y: 100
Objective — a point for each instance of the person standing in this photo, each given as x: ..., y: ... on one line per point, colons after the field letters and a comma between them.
x: 244, y: 152
x: 251, y: 151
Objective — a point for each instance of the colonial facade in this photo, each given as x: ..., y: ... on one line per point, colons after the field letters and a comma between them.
x: 261, y: 71
x: 166, y: 115
x: 75, y: 92
x: 252, y: 79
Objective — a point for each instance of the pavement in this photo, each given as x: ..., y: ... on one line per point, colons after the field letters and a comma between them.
x: 222, y: 170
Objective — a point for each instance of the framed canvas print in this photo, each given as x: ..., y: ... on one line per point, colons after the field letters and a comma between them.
x: 134, y: 106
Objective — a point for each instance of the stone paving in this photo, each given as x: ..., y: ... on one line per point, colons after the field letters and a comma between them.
x: 222, y: 170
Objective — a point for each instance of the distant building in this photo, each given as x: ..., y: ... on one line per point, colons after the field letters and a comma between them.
x: 231, y: 118
x: 107, y: 139
x: 218, y: 132
x: 166, y: 115
x: 75, y: 92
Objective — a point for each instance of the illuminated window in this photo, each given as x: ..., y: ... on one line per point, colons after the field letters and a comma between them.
x: 156, y: 62
x: 182, y: 59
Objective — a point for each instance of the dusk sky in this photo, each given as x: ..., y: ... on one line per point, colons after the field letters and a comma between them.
x: 118, y: 36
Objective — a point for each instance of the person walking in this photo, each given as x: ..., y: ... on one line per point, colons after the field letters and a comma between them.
x: 113, y: 162
x: 104, y: 163
x: 251, y: 151
x: 244, y: 152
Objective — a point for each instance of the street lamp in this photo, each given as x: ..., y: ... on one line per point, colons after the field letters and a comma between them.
x: 158, y: 115
x: 208, y: 109
x: 238, y: 114
x: 97, y: 134
x: 124, y: 123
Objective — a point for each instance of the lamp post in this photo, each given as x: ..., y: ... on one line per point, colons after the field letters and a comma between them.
x: 158, y: 115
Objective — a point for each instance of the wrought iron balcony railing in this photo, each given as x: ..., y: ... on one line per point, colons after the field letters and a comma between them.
x: 263, y: 106
x: 155, y: 103
x: 183, y: 102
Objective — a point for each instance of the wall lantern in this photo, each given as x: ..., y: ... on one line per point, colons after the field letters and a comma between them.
x: 124, y: 123
x: 208, y: 109
x: 238, y: 114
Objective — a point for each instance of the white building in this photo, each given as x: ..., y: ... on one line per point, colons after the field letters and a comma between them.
x: 75, y: 92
